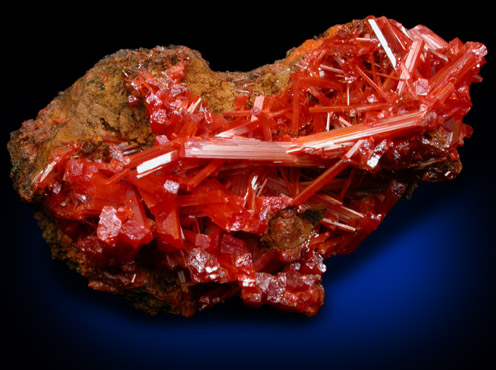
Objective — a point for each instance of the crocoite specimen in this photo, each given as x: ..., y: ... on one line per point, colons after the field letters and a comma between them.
x: 243, y: 183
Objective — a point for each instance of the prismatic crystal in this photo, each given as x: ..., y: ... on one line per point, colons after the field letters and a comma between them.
x: 246, y: 182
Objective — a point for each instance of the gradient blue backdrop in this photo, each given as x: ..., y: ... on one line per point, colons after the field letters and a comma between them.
x: 419, y: 293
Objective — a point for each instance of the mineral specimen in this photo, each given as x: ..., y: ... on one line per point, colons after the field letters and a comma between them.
x: 179, y: 187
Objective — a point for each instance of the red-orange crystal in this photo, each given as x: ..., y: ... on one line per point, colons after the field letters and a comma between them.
x: 367, y: 112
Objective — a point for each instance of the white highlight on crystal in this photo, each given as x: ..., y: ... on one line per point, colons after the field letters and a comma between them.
x: 155, y: 162
x: 339, y: 225
x: 46, y: 171
x: 193, y: 106
x: 258, y: 103
x: 383, y: 41
x: 328, y: 121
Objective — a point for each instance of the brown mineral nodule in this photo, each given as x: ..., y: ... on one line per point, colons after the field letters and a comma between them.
x: 179, y: 187
x: 288, y: 230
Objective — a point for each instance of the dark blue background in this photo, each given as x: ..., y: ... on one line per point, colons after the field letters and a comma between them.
x: 418, y: 293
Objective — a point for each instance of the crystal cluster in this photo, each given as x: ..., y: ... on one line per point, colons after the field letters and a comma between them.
x: 250, y: 202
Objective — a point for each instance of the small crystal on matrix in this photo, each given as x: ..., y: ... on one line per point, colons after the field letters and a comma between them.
x: 248, y: 197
